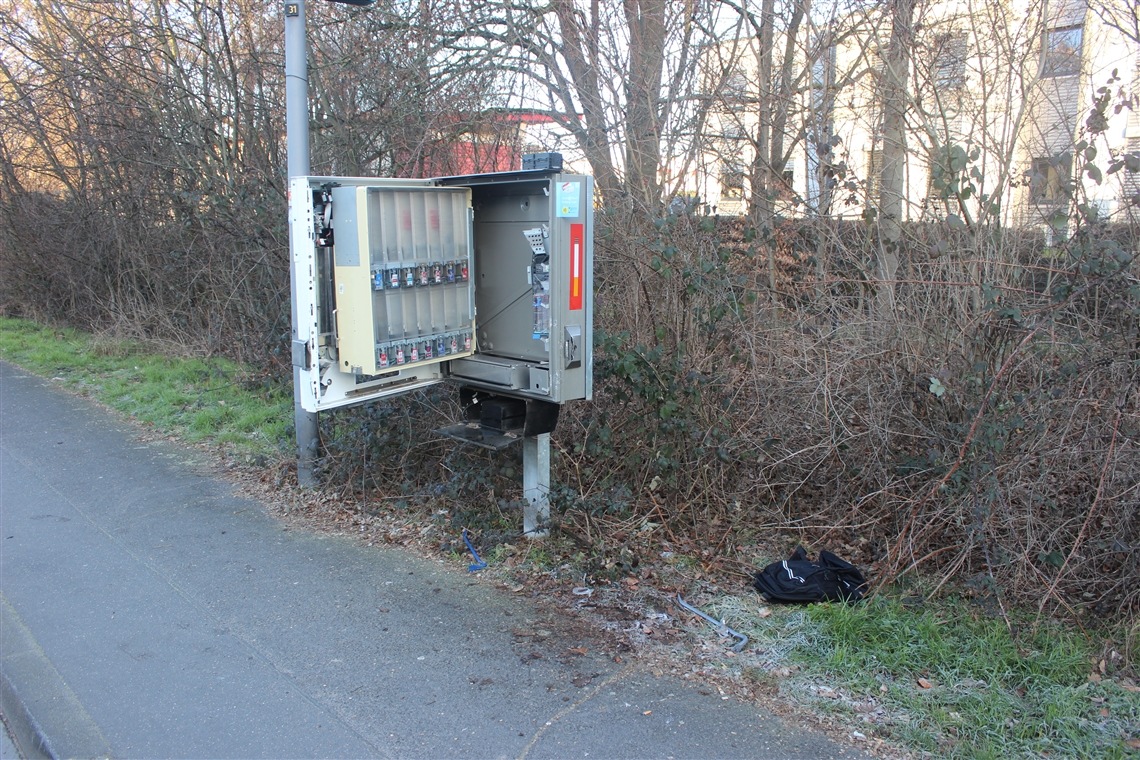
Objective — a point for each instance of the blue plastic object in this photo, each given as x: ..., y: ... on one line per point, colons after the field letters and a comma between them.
x: 479, y: 563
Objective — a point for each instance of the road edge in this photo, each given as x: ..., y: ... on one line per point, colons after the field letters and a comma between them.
x: 45, y: 718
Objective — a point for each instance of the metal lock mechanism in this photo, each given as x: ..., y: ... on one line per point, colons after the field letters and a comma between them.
x: 572, y: 346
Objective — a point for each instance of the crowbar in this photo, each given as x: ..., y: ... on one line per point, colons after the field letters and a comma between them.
x: 721, y: 628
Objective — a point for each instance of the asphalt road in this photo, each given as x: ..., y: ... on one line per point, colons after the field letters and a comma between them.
x: 146, y: 610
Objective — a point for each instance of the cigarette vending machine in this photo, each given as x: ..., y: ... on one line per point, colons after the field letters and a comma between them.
x: 482, y: 280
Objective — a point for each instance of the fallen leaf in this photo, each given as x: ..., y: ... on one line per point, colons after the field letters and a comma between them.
x: 1094, y: 677
x: 924, y: 684
x: 764, y: 612
x: 1133, y: 743
x: 647, y: 712
x: 580, y: 651
x: 1127, y: 685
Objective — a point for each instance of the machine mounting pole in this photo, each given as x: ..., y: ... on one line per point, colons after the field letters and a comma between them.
x: 536, y: 485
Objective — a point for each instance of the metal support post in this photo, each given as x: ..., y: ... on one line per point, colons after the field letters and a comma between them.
x: 536, y: 485
x: 297, y: 143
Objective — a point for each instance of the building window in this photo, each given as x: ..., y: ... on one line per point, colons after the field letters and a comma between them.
x: 733, y: 132
x: 1049, y: 179
x: 736, y: 89
x: 1061, y: 52
x: 950, y: 61
x: 732, y: 182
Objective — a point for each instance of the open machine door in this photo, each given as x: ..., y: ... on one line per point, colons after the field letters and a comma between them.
x: 485, y: 280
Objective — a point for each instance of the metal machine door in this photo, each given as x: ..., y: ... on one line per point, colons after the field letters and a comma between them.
x: 388, y: 293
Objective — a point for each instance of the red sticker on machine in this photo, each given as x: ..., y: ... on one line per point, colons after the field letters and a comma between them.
x: 577, y: 265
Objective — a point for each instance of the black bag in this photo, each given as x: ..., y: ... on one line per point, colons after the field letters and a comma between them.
x: 798, y: 579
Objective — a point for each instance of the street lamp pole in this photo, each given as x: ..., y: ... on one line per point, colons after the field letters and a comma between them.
x: 297, y: 146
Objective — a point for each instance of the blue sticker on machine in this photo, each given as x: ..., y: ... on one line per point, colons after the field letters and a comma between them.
x: 567, y: 197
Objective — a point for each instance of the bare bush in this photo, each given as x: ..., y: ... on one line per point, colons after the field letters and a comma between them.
x: 985, y: 431
x: 142, y: 166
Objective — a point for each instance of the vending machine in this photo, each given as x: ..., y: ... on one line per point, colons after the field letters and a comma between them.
x: 484, y: 281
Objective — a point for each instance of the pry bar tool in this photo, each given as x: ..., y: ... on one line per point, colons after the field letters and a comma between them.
x: 721, y: 628
x: 479, y: 563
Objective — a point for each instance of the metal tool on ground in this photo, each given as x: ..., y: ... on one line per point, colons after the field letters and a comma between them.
x: 720, y: 626
x: 479, y: 564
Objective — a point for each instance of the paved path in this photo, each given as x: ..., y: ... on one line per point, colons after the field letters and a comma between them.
x: 148, y: 611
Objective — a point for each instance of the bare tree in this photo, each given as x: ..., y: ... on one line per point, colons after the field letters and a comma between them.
x: 396, y: 88
x: 620, y: 77
x: 774, y: 83
x: 1121, y: 15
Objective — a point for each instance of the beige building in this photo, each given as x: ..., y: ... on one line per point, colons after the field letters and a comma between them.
x: 998, y: 116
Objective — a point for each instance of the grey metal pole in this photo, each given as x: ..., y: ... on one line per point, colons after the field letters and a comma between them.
x: 297, y: 145
x: 536, y: 485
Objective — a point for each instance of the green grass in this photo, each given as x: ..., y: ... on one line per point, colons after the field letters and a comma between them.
x: 209, y: 400
x: 991, y: 695
x: 992, y: 692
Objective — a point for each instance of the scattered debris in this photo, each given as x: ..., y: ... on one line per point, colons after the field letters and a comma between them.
x: 479, y: 564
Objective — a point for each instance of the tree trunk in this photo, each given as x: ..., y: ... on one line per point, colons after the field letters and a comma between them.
x: 646, y: 22
x: 892, y: 173
x: 761, y: 205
